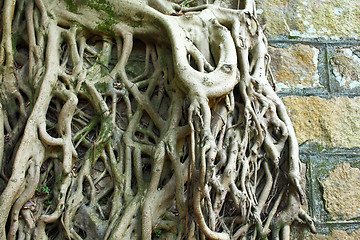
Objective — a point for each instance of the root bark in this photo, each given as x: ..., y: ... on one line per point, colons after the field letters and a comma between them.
x: 194, y: 145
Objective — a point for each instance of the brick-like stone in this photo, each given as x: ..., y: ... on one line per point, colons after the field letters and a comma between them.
x: 331, y: 122
x: 295, y: 67
x: 336, y: 235
x: 342, y: 192
x: 345, y: 66
x: 330, y: 19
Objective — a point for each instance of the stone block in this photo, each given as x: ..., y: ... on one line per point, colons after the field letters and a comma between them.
x: 336, y: 235
x: 295, y: 67
x: 329, y: 19
x: 330, y: 122
x: 342, y: 192
x: 332, y: 174
x: 345, y: 69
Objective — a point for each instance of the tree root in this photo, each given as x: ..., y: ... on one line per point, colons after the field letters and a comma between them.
x: 194, y: 145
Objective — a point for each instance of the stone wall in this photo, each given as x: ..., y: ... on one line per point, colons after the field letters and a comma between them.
x: 315, y: 49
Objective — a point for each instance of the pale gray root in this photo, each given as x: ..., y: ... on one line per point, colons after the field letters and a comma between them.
x: 140, y: 120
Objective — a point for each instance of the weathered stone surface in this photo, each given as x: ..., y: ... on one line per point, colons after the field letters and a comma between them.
x: 336, y: 235
x: 331, y: 122
x: 330, y: 19
x: 342, y: 192
x: 295, y: 67
x: 345, y: 65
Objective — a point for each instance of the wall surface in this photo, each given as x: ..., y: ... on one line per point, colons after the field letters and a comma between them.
x: 315, y: 49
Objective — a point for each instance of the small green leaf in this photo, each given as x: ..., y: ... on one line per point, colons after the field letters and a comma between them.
x: 157, y: 233
x: 45, y: 189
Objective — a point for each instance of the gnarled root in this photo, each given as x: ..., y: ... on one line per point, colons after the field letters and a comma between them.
x: 194, y: 144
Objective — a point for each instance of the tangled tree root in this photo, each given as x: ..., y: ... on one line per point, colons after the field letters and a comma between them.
x: 197, y: 146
